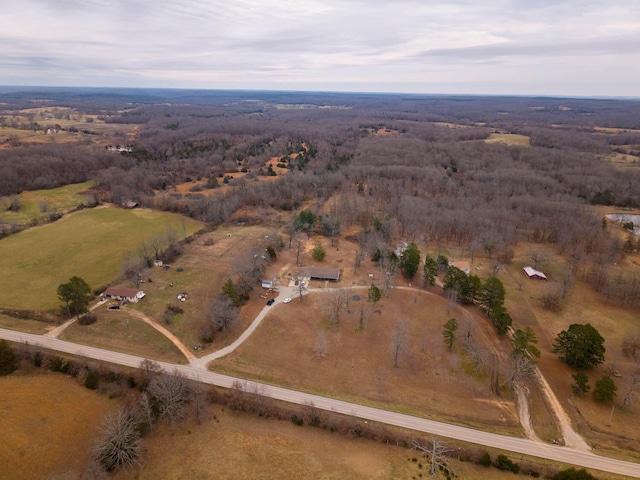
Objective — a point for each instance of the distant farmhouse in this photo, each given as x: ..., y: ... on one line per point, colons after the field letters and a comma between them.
x: 129, y: 294
x: 533, y: 274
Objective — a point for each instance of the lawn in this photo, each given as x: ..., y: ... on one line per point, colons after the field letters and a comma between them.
x: 89, y: 243
x: 117, y: 331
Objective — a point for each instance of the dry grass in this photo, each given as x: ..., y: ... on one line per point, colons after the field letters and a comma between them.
x: 48, y: 425
x: 509, y: 139
x: 235, y: 446
x: 358, y: 364
x: 623, y: 162
x: 117, y: 331
x: 29, y: 326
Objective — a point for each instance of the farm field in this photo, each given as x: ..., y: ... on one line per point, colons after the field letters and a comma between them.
x: 62, y: 199
x: 48, y: 425
x: 509, y: 139
x: 89, y: 243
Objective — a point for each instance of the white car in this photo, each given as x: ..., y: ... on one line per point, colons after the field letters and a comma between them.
x: 286, y: 300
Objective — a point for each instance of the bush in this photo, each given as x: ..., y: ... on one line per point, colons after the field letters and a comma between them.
x: 573, y: 474
x: 88, y: 319
x: 296, y: 420
x: 485, y: 460
x: 503, y: 463
x: 8, y: 359
x: 91, y: 380
x: 318, y: 253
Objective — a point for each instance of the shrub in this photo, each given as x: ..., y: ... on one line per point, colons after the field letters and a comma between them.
x: 504, y: 463
x: 296, y: 420
x: 91, y: 380
x: 88, y: 319
x: 318, y: 253
x: 8, y: 359
x: 485, y: 460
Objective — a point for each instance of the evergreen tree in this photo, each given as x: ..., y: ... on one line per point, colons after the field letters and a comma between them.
x: 605, y: 389
x: 8, y: 359
x: 580, y: 346
x: 410, y: 261
x: 430, y: 271
x: 449, y: 332
x: 581, y: 385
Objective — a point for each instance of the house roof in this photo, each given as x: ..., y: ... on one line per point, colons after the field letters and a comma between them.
x: 121, y: 292
x: 321, y: 273
x: 532, y: 272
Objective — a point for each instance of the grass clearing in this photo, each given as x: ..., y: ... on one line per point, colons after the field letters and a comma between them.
x: 22, y: 325
x: 510, y: 139
x: 61, y: 199
x: 89, y: 243
x: 48, y: 425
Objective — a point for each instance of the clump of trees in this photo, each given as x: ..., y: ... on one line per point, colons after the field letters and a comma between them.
x: 580, y: 346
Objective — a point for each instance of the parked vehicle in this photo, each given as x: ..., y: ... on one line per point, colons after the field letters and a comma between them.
x: 271, y: 301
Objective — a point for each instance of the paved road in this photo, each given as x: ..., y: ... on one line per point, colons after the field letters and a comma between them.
x: 518, y: 445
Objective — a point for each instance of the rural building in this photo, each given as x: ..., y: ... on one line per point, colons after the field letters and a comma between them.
x: 400, y: 248
x: 533, y: 274
x: 315, y: 273
x: 129, y: 294
x: 129, y: 205
x: 267, y: 283
x: 461, y: 265
x: 157, y: 263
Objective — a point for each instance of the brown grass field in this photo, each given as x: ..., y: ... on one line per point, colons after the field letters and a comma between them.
x: 509, y: 139
x: 124, y: 333
x: 48, y: 425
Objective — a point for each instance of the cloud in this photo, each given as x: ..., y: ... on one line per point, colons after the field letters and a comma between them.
x: 368, y: 45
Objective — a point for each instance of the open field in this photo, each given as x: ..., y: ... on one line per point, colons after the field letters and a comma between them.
x: 23, y: 325
x: 509, y: 139
x: 48, y: 425
x: 120, y: 332
x: 266, y: 449
x: 62, y: 199
x: 89, y: 243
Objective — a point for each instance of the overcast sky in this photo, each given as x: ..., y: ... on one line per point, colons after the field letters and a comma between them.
x: 527, y: 47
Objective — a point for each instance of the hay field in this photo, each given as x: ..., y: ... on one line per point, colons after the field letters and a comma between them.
x: 509, y: 139
x: 48, y: 425
x: 89, y: 243
x: 62, y: 199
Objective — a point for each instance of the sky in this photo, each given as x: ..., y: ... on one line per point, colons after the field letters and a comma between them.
x: 515, y: 47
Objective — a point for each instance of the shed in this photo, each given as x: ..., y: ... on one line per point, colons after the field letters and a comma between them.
x: 315, y: 273
x: 129, y: 294
x: 267, y: 283
x: 533, y: 274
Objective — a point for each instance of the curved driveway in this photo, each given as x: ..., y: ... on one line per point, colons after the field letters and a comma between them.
x: 519, y: 445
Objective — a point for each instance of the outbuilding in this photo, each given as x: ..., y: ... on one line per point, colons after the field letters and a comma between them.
x: 131, y: 295
x: 533, y: 274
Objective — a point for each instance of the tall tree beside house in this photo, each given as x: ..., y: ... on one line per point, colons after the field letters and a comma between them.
x: 75, y: 294
x: 430, y: 271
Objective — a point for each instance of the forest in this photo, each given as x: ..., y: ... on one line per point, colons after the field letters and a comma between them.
x: 483, y: 172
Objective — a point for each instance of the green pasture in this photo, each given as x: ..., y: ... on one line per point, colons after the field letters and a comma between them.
x: 89, y: 243
x: 61, y: 199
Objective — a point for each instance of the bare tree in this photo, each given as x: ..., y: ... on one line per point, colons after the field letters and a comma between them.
x: 335, y: 305
x: 357, y: 259
x: 436, y: 452
x: 521, y: 368
x: 632, y: 383
x: 631, y: 345
x: 223, y: 314
x: 363, y: 316
x: 170, y: 393
x: 538, y: 258
x: 119, y: 443
x: 132, y: 267
x: 146, y: 410
x: 399, y: 338
x: 147, y: 371
x: 248, y: 270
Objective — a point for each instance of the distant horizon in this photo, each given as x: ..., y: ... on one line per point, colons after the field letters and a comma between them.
x: 569, y: 49
x: 7, y: 89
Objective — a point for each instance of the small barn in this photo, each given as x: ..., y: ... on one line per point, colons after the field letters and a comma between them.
x: 131, y: 295
x: 315, y: 273
x: 267, y: 283
x: 533, y: 274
